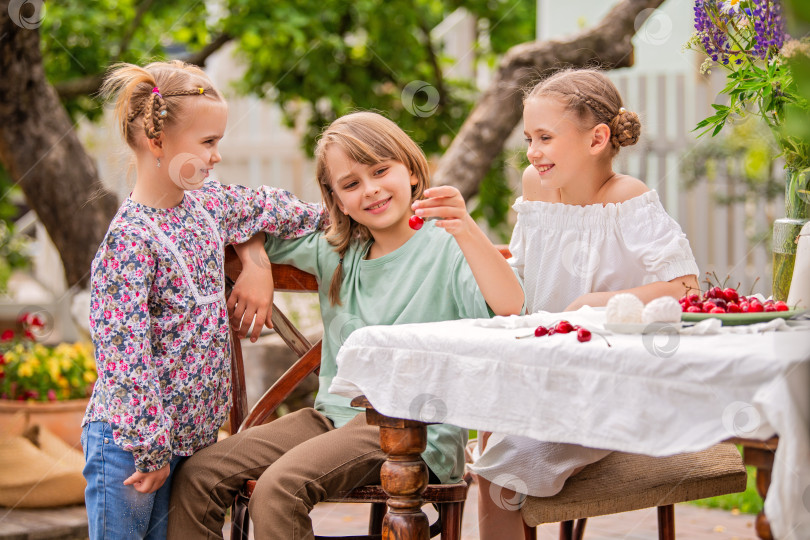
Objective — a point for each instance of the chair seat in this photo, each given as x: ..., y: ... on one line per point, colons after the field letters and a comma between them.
x: 434, y: 493
x: 624, y: 482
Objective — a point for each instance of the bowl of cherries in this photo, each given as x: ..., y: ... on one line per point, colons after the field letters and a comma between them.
x: 731, y: 307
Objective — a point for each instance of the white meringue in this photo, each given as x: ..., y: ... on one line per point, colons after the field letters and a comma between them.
x: 663, y: 309
x: 624, y: 308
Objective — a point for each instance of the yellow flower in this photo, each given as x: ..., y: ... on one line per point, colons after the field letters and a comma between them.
x: 26, y: 369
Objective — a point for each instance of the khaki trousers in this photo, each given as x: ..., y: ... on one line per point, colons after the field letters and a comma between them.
x: 299, y: 460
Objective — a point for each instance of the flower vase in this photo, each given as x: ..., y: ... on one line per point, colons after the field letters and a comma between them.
x: 786, y: 229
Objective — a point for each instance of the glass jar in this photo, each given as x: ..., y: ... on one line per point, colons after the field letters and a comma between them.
x: 786, y: 230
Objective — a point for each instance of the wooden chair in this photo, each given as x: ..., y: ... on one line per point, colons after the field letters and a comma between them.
x: 448, y: 498
x: 623, y: 482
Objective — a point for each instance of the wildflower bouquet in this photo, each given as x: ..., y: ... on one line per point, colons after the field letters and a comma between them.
x: 747, y: 38
x: 32, y: 371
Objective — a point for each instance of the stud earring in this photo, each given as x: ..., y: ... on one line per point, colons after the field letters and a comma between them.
x: 158, y: 162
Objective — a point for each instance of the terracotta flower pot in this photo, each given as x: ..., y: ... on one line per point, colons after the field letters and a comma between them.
x: 63, y: 418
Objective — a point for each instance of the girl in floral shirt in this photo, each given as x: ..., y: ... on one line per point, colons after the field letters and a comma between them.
x: 158, y: 317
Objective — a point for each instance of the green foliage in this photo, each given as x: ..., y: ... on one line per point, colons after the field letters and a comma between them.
x: 81, y: 39
x: 333, y: 56
x: 797, y: 119
x: 745, y: 154
x: 495, y: 195
x: 747, y: 502
x: 8, y: 192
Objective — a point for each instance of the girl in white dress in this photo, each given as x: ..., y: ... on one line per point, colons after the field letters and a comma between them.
x: 584, y: 233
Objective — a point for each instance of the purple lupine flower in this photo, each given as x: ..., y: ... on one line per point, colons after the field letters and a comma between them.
x: 712, y: 37
x: 713, y: 23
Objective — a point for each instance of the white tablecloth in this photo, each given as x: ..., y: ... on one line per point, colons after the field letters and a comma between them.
x: 657, y: 394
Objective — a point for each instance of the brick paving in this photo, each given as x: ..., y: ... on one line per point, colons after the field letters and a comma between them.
x: 691, y: 523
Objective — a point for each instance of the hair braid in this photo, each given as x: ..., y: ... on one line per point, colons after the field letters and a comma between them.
x: 154, y: 113
x: 625, y: 128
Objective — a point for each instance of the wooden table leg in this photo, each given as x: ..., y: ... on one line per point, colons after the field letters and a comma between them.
x: 404, y: 475
x: 762, y: 459
x: 760, y: 454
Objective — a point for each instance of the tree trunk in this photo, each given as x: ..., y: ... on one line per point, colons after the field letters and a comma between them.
x: 499, y: 109
x: 40, y: 150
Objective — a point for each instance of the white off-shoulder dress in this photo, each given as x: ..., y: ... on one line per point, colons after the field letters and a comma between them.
x: 562, y: 252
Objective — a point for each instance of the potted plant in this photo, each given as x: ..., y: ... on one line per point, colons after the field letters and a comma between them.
x: 747, y: 39
x: 40, y: 384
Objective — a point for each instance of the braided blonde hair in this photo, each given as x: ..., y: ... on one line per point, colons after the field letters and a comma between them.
x: 595, y: 100
x: 367, y: 138
x: 153, y: 96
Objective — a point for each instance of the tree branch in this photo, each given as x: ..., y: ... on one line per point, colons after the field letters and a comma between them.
x: 499, y: 109
x: 89, y: 85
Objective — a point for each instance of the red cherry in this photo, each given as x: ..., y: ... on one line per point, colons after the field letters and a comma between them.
x: 769, y: 308
x: 415, y: 222
x: 733, y: 308
x: 744, y: 306
x: 755, y: 307
x: 693, y: 309
x: 717, y: 310
x: 730, y: 294
x: 564, y: 327
x: 714, y: 292
x: 583, y: 335
x: 693, y: 298
x: 708, y: 306
x: 781, y: 306
x: 540, y: 331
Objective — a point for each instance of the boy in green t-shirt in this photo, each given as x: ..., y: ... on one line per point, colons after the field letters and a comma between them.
x: 372, y: 269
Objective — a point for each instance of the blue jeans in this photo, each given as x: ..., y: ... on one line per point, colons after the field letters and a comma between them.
x: 113, y: 509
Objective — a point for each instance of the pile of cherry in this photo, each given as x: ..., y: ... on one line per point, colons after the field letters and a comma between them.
x: 728, y: 300
x: 563, y: 327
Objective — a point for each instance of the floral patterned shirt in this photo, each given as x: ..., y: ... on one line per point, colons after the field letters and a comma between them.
x: 158, y: 316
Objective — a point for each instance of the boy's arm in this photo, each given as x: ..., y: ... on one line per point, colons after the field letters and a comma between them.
x: 498, y: 283
x: 252, y: 294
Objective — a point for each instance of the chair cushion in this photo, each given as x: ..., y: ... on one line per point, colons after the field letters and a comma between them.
x: 623, y: 482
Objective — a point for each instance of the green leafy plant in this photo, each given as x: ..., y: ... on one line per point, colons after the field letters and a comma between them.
x: 13, y: 254
x: 32, y: 371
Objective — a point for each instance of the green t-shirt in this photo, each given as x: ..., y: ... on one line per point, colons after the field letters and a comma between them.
x: 426, y: 280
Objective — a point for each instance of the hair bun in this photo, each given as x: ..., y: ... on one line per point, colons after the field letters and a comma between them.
x: 625, y: 128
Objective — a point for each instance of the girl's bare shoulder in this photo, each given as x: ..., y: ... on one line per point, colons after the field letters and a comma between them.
x: 533, y: 189
x: 620, y: 188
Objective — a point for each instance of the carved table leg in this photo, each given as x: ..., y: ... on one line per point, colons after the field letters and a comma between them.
x: 404, y: 475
